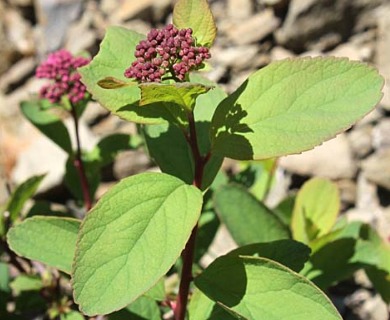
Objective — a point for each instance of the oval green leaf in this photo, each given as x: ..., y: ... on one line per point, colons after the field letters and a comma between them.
x: 111, y: 64
x: 131, y: 238
x: 196, y: 14
x: 168, y: 147
x: 50, y: 240
x: 21, y: 194
x: 315, y: 211
x: 144, y: 308
x: 259, y: 288
x: 247, y: 219
x: 293, y: 105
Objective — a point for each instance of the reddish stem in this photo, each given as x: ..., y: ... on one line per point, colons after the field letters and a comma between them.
x: 79, y: 165
x: 189, y: 250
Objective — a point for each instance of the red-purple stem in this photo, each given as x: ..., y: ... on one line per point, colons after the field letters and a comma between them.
x: 78, y: 163
x: 189, y: 250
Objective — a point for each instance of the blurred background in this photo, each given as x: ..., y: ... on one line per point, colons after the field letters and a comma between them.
x: 251, y: 34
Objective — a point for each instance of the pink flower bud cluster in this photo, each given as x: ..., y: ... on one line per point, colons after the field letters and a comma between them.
x: 168, y: 50
x: 60, y: 67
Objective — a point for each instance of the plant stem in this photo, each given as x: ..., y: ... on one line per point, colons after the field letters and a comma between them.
x: 189, y: 250
x: 78, y: 163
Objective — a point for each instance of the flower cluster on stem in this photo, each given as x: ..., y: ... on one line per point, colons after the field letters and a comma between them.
x: 60, y: 67
x: 167, y: 51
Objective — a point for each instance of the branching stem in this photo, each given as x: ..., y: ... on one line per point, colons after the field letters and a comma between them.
x: 189, y: 250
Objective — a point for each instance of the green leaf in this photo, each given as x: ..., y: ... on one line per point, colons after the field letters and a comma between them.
x: 289, y: 253
x: 25, y: 282
x: 181, y: 94
x: 256, y: 176
x: 143, y: 308
x: 247, y: 219
x: 50, y: 240
x: 48, y: 123
x: 201, y: 308
x: 196, y: 14
x: 293, y: 105
x: 258, y: 288
x: 381, y: 281
x: 332, y: 263
x: 285, y: 209
x: 110, y: 62
x: 168, y: 147
x: 374, y: 253
x: 315, y: 211
x: 372, y: 250
x: 157, y: 292
x: 22, y: 193
x: 109, y: 146
x: 131, y: 238
x: 207, y: 228
x: 4, y: 277
x: 72, y: 315
x: 333, y: 254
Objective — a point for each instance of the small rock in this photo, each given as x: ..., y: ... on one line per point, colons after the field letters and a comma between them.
x: 381, y: 134
x: 255, y: 28
x: 94, y: 112
x: 309, y: 20
x: 11, y: 101
x: 365, y: 12
x: 280, y: 53
x: 17, y: 73
x: 128, y: 163
x: 348, y: 191
x: 370, y: 118
x: 21, y: 3
x: 377, y: 169
x: 76, y: 44
x: 7, y: 50
x: 31, y: 162
x: 348, y: 50
x: 272, y: 3
x: 160, y: 9
x: 367, y: 194
x: 54, y: 18
x: 279, y: 188
x: 360, y: 139
x: 367, y: 306
x: 382, y: 51
x: 216, y: 73
x: 109, y: 6
x: 332, y: 160
x: 222, y: 244
x: 131, y: 9
x: 326, y: 42
x: 138, y: 25
x: 239, y: 9
x: 19, y: 32
x: 233, y: 56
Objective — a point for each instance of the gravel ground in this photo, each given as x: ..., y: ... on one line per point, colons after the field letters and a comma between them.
x: 251, y: 34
